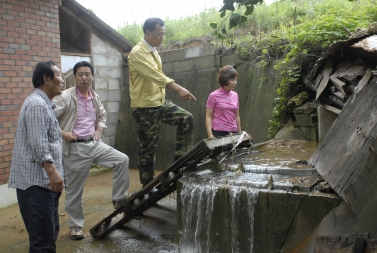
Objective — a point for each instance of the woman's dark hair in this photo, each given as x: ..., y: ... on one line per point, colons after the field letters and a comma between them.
x: 83, y: 64
x: 150, y: 24
x: 227, y: 72
x: 42, y: 69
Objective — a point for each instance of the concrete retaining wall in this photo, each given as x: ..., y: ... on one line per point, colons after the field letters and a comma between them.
x: 196, y: 69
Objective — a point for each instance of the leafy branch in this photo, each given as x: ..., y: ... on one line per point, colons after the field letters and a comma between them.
x: 235, y: 19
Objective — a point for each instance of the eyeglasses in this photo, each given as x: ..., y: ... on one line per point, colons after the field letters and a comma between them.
x: 159, y: 34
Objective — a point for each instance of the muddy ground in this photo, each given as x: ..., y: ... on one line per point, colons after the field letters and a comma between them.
x: 154, y: 232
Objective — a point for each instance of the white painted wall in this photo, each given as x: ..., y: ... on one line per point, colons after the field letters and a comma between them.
x: 8, y: 196
x: 68, y: 61
x: 108, y: 79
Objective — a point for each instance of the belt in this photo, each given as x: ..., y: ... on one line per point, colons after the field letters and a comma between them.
x: 83, y: 140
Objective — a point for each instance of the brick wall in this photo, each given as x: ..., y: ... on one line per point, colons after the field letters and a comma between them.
x: 29, y: 33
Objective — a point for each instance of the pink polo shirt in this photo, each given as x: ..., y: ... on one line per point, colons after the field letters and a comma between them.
x: 86, y: 116
x: 224, y: 105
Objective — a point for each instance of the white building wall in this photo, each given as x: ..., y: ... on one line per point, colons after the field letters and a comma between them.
x: 68, y: 61
x: 8, y: 196
x: 108, y: 80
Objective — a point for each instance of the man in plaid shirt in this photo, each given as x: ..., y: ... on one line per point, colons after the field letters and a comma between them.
x: 37, y: 170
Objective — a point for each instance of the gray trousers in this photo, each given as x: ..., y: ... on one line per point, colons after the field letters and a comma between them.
x: 77, y: 164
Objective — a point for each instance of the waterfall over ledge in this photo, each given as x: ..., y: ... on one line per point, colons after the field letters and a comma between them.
x: 263, y: 201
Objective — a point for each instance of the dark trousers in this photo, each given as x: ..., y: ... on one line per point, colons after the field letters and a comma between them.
x: 221, y: 133
x: 39, y: 210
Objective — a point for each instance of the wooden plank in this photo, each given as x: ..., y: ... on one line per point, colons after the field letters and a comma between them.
x: 342, y: 67
x: 363, y: 81
x: 340, y: 95
x: 333, y: 109
x: 165, y: 183
x: 339, y: 85
x: 325, y: 79
x: 343, y: 155
x: 353, y: 71
x: 318, y: 79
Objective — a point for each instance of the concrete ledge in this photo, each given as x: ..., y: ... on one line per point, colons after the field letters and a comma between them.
x: 8, y: 196
x: 168, y: 68
x: 232, y: 60
x: 311, y: 133
x: 172, y: 56
x: 194, y: 52
x: 209, y: 49
x: 204, y: 62
x: 183, y: 66
x: 306, y: 120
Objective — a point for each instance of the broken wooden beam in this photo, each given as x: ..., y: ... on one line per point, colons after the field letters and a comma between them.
x: 339, y: 85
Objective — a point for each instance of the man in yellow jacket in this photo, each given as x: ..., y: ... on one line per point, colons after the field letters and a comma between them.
x: 149, y: 106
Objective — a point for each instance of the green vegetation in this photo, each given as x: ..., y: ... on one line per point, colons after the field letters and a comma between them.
x: 176, y: 29
x: 295, y: 33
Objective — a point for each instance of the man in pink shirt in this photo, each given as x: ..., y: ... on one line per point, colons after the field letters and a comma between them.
x: 82, y: 119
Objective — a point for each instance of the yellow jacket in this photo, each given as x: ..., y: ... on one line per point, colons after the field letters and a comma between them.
x: 147, y: 81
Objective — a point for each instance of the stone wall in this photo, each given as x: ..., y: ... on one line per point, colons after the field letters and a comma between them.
x: 196, y: 69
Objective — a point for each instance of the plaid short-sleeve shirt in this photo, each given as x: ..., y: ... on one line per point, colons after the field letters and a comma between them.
x: 38, y: 139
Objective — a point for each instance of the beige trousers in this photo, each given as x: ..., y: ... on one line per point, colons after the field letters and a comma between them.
x: 77, y: 164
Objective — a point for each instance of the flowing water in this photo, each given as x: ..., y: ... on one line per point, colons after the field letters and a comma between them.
x: 218, y: 206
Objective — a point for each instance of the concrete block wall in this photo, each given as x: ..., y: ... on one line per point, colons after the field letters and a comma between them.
x: 29, y: 33
x: 308, y: 125
x: 108, y: 80
x: 196, y: 69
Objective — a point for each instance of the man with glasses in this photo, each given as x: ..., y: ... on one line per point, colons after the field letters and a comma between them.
x: 149, y: 106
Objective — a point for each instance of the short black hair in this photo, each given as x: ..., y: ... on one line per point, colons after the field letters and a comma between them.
x: 227, y: 72
x: 42, y: 69
x: 83, y: 64
x: 150, y: 24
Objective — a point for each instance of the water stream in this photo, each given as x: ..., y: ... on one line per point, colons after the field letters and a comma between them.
x: 218, y: 206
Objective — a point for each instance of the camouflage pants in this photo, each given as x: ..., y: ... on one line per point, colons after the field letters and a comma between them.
x: 148, y: 128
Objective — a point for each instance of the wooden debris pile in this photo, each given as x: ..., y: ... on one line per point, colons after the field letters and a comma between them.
x: 345, y: 68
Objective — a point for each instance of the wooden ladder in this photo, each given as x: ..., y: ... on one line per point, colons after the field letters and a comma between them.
x: 166, y: 181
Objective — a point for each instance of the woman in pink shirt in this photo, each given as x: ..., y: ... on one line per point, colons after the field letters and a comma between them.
x: 222, y: 109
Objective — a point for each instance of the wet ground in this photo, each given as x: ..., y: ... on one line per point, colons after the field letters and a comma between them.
x: 156, y: 231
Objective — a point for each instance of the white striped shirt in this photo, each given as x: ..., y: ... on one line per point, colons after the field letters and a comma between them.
x: 38, y: 139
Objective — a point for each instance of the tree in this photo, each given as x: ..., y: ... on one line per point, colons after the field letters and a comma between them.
x: 235, y: 19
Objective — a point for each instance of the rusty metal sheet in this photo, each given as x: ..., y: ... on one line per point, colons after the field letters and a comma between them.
x: 369, y: 44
